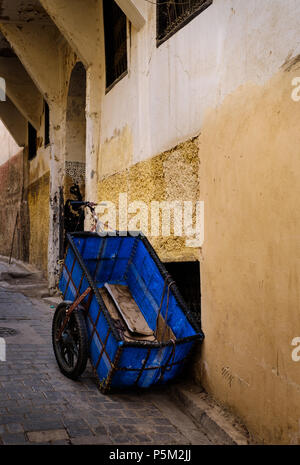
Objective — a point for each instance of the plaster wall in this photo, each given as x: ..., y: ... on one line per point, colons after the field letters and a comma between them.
x: 226, y: 77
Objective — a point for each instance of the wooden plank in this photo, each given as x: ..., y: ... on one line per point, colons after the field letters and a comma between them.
x: 128, y: 309
x: 119, y: 322
x: 128, y: 317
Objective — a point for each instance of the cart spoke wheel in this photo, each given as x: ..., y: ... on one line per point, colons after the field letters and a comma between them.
x: 71, y: 350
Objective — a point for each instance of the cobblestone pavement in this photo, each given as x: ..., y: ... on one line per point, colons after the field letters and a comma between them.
x: 39, y: 405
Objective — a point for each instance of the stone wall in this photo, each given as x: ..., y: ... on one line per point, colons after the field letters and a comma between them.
x: 249, y: 178
x: 38, y: 202
x: 170, y: 176
x: 14, y: 216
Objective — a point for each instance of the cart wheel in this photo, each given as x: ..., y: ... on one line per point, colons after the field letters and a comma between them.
x: 71, y: 351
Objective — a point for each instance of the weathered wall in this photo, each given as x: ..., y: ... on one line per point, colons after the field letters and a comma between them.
x: 39, y: 185
x: 249, y: 153
x: 12, y: 169
x: 11, y: 205
x: 220, y: 77
x: 163, y: 99
x: 38, y: 202
x: 170, y: 176
x: 18, y: 176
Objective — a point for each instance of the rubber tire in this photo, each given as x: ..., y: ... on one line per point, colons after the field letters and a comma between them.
x: 83, y: 352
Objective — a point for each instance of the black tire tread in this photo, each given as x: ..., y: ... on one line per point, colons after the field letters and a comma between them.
x: 80, y: 366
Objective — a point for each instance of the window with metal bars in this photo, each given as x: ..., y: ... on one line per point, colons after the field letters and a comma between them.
x: 115, y: 32
x: 172, y: 15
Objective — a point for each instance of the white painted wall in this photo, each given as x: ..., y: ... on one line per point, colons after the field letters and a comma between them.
x: 164, y: 97
x: 8, y: 146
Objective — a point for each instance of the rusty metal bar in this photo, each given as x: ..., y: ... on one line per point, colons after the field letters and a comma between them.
x: 71, y: 309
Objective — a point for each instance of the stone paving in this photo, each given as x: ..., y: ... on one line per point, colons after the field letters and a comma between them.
x: 38, y: 405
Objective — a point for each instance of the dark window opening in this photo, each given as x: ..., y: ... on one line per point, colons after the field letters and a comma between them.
x: 172, y: 15
x: 47, y: 124
x: 32, y: 142
x: 115, y: 42
x: 187, y: 278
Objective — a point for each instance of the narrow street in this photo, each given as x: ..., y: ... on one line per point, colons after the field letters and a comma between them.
x: 38, y: 405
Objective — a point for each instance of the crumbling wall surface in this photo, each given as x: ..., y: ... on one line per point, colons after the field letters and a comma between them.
x: 38, y: 201
x: 170, y: 176
x: 249, y: 177
x: 14, y: 219
x: 228, y: 87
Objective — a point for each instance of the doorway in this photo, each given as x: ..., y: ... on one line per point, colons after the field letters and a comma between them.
x: 75, y: 157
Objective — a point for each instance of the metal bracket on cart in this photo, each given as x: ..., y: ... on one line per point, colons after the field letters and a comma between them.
x: 71, y: 310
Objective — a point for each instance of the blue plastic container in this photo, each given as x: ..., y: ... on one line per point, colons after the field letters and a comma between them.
x: 92, y: 261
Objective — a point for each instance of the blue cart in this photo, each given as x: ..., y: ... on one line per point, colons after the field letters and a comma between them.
x: 84, y: 327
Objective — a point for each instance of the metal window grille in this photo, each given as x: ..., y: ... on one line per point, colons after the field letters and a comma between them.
x: 115, y: 42
x: 172, y: 15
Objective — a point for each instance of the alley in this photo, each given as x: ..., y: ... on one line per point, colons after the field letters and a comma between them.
x: 39, y: 405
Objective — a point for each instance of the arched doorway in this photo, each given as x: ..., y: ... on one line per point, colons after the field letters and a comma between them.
x: 75, y: 156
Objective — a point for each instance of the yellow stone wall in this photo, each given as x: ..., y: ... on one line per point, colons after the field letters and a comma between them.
x: 244, y: 165
x: 249, y: 152
x: 170, y: 176
x: 38, y: 201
